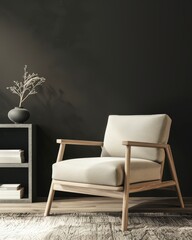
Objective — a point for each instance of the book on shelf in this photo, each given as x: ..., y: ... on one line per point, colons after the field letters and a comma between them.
x: 12, y: 156
x: 15, y: 186
x: 10, y: 152
x: 12, y: 194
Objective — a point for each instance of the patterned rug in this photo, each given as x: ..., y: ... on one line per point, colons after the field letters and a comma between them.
x: 95, y: 226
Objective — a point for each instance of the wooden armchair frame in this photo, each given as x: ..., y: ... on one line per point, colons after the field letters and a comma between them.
x: 110, y: 191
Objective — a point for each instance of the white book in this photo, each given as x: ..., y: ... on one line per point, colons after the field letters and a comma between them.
x: 12, y: 159
x: 12, y: 194
x: 5, y: 187
x: 10, y: 152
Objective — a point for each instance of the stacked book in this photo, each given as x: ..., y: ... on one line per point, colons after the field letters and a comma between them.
x: 12, y: 156
x: 11, y: 191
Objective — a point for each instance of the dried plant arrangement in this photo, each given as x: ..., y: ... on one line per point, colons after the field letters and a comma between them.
x: 27, y: 87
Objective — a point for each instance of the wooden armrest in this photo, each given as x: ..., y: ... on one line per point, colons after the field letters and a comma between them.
x: 79, y: 142
x: 144, y: 144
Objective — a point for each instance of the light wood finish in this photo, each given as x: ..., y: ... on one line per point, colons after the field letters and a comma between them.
x: 145, y: 186
x: 88, y: 190
x: 85, y: 185
x: 162, y: 166
x: 126, y: 188
x: 107, y: 191
x: 174, y: 174
x: 80, y: 142
x: 144, y: 144
x: 60, y: 153
x: 52, y: 190
x: 49, y: 200
x: 81, y: 203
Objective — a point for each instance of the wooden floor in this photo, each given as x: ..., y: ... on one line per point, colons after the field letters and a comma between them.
x: 100, y: 204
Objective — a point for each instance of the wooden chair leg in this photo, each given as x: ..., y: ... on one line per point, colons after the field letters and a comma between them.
x: 174, y: 175
x: 180, y: 196
x: 125, y: 212
x: 126, y: 189
x: 49, y: 200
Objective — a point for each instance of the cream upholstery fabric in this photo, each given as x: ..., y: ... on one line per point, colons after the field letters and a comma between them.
x: 105, y: 170
x: 144, y: 128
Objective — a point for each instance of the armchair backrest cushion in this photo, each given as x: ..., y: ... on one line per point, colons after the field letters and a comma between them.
x: 142, y: 128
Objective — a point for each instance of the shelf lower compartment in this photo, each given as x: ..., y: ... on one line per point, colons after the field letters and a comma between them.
x: 18, y: 136
x: 15, y: 176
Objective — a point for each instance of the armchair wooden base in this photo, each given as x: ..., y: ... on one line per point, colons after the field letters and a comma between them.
x: 106, y: 191
x: 115, y: 192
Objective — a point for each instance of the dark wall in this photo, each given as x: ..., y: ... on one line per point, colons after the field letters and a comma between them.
x: 99, y: 58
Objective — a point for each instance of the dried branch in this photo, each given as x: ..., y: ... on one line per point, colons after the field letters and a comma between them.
x: 27, y: 87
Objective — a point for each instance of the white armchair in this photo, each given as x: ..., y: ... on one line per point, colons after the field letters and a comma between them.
x: 132, y: 160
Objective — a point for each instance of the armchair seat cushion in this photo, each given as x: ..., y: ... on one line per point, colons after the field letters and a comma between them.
x: 105, y: 170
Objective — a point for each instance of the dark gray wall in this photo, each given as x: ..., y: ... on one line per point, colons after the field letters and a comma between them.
x: 99, y: 58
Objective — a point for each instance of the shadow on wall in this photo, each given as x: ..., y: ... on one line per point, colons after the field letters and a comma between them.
x: 56, y: 118
x: 52, y: 110
x: 5, y: 106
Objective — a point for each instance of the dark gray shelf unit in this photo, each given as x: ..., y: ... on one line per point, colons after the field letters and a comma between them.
x: 28, y: 165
